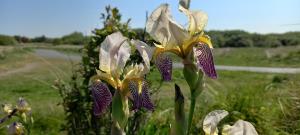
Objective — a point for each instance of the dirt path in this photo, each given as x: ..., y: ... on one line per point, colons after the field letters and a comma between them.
x: 25, y: 68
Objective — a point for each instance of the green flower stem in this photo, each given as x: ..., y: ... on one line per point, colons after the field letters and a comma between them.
x: 194, y: 78
x: 191, y: 111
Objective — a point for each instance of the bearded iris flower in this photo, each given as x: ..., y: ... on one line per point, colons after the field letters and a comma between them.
x: 114, y: 53
x: 16, y: 128
x: 212, y: 119
x: 191, y: 43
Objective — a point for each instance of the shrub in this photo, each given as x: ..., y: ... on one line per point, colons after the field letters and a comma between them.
x: 7, y: 40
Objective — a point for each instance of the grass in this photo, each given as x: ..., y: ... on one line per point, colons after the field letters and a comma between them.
x: 270, y: 57
x: 273, y: 57
x: 35, y: 86
x: 259, y: 98
x: 269, y: 101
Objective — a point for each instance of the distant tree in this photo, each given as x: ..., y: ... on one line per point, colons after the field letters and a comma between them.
x: 22, y: 39
x: 40, y: 39
x: 7, y: 40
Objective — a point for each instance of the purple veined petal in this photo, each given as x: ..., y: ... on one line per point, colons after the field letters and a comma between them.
x: 204, y: 58
x: 102, y: 97
x: 164, y: 64
x: 133, y: 87
x: 140, y: 100
x: 146, y: 101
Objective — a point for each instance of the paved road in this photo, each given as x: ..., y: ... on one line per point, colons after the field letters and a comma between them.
x: 252, y: 69
x: 55, y: 54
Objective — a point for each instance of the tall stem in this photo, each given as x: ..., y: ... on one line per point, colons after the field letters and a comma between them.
x: 191, y: 111
x: 194, y: 78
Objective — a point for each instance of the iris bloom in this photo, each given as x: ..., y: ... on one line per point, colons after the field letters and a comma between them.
x: 186, y: 43
x: 212, y: 120
x: 7, y: 108
x: 23, y: 106
x: 114, y: 53
x: 16, y: 128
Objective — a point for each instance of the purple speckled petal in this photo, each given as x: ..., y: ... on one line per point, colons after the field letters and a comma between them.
x: 164, y: 65
x: 102, y: 97
x: 204, y: 58
x: 140, y: 99
x: 146, y: 101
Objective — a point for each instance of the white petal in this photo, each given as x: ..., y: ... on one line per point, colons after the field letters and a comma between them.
x: 134, y: 71
x: 239, y: 128
x: 211, y: 121
x: 197, y: 19
x: 164, y: 29
x: 114, y: 52
x: 145, y: 51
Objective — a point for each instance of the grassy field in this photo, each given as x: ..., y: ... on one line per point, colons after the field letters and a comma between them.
x: 269, y: 101
x: 270, y: 57
x: 35, y: 85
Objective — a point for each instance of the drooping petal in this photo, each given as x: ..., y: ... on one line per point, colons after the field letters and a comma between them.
x: 164, y: 65
x: 145, y: 51
x: 140, y: 95
x: 239, y: 128
x: 204, y: 59
x: 113, y: 54
x: 102, y: 97
x: 164, y: 29
x: 146, y: 101
x: 197, y: 19
x: 211, y: 121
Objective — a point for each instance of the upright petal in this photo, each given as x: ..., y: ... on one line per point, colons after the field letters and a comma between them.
x: 184, y: 3
x: 145, y: 51
x: 211, y: 121
x: 164, y: 64
x: 23, y: 106
x: 204, y: 59
x: 102, y: 97
x: 114, y: 52
x: 164, y: 29
x: 239, y: 128
x: 140, y: 95
x: 197, y: 19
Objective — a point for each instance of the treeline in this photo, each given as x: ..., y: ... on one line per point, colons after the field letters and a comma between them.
x: 238, y: 38
x: 75, y: 38
x: 230, y: 38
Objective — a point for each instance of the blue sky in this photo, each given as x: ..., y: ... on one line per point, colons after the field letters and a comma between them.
x: 54, y: 18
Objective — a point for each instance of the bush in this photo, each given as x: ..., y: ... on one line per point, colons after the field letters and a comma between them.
x: 7, y: 40
x: 75, y: 38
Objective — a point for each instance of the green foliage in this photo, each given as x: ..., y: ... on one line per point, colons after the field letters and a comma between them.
x: 238, y: 38
x: 75, y: 38
x: 41, y: 39
x: 86, y: 122
x: 7, y: 40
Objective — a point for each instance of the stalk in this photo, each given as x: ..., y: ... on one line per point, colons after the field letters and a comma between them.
x: 194, y: 78
x: 191, y: 111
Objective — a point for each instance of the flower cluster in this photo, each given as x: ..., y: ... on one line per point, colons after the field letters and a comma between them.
x: 128, y: 80
x: 191, y: 44
x: 22, y: 111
